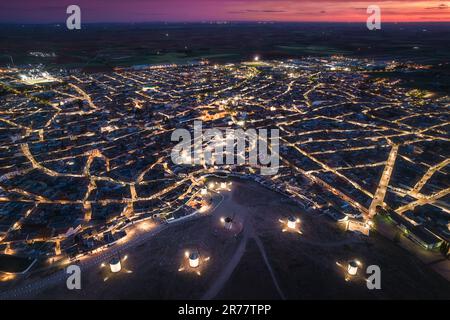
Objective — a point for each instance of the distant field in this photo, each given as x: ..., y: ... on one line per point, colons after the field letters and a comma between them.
x: 171, y: 57
x: 122, y: 44
x: 435, y: 80
x: 313, y: 50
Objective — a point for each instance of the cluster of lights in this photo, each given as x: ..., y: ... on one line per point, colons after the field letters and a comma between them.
x: 145, y: 226
x: 7, y: 277
x: 8, y: 249
x: 204, y: 208
x: 219, y: 186
x: 291, y: 224
x: 369, y: 224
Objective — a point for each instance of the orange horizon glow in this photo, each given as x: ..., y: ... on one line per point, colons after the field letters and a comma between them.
x: 47, y: 11
x: 348, y: 11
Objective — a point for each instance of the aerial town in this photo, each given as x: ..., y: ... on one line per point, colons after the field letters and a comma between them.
x: 86, y: 157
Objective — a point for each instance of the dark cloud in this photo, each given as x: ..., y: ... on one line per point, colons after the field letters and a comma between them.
x: 256, y: 11
x: 440, y: 7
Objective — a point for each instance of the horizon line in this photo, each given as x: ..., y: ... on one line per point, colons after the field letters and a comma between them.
x: 217, y: 22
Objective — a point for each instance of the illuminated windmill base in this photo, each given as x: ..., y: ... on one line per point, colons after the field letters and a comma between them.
x: 229, y: 226
x: 351, y: 269
x: 227, y: 223
x: 211, y: 186
x: 223, y: 186
x: 114, y: 267
x: 291, y: 224
x: 193, y: 262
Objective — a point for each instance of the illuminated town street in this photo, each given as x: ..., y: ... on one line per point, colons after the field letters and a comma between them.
x: 86, y: 158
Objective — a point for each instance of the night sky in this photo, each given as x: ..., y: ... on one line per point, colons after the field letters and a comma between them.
x: 49, y: 11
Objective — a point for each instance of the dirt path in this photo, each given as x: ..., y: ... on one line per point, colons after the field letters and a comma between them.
x: 226, y: 272
x: 266, y: 260
x: 248, y: 233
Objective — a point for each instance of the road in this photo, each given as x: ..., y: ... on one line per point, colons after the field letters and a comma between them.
x: 378, y: 199
x: 422, y: 201
x: 418, y: 186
